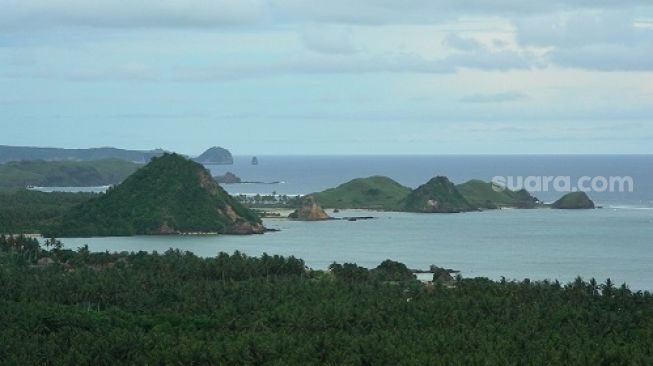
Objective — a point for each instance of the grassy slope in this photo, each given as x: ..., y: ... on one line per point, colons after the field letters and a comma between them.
x: 65, y: 173
x: 482, y: 194
x: 377, y: 192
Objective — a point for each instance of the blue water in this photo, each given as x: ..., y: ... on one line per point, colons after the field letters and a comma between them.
x: 612, y: 242
x: 536, y: 244
x: 303, y: 174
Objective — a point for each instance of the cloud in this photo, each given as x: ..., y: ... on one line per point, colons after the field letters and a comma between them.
x: 406, y: 63
x: 453, y: 40
x: 509, y: 96
x: 592, y: 40
x: 582, y: 28
x: 29, y: 14
x: 124, y: 72
x: 25, y: 14
x: 605, y: 58
x: 330, y: 40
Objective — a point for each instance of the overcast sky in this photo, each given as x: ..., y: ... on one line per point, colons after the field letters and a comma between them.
x: 329, y: 77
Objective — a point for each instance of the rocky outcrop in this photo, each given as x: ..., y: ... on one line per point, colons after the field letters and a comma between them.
x: 215, y: 156
x: 228, y: 178
x: 310, y: 210
x: 574, y: 201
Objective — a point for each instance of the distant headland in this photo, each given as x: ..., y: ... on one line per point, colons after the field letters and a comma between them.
x: 215, y: 155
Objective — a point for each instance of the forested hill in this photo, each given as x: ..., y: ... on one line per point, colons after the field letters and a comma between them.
x: 65, y: 173
x: 170, y: 195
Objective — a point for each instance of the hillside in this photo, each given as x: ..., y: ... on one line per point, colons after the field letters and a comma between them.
x: 486, y: 195
x: 65, y: 173
x: 170, y: 195
x: 18, y: 153
x: 574, y: 200
x: 438, y: 195
x: 376, y: 192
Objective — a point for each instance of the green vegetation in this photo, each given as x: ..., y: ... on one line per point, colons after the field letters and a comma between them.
x: 438, y: 195
x: 24, y: 211
x: 64, y: 307
x: 65, y: 173
x: 377, y: 193
x: 170, y: 195
x: 574, y: 200
x: 488, y: 195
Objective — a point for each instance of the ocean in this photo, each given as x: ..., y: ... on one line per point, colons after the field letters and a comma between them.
x: 612, y: 242
x: 306, y: 174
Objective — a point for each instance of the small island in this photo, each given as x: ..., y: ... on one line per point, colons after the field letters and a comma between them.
x: 215, y: 156
x: 309, y: 210
x: 574, y: 201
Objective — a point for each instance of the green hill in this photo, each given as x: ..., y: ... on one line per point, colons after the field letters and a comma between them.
x: 377, y: 192
x: 170, y: 195
x: 574, y: 200
x: 490, y: 196
x: 65, y: 173
x: 438, y: 195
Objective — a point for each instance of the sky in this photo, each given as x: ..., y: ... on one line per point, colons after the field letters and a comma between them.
x: 329, y: 77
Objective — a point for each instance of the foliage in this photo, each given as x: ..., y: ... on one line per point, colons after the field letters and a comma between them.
x: 491, y: 196
x: 176, y: 308
x: 65, y: 173
x: 376, y: 192
x: 25, y: 211
x: 171, y: 194
x: 437, y: 195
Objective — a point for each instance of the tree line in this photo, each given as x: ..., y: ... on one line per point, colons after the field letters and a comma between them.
x: 63, y: 306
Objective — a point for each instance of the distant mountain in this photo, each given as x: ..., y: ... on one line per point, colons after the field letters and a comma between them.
x: 438, y: 195
x: 65, y: 173
x: 20, y: 153
x: 215, y: 155
x: 487, y: 195
x: 376, y: 192
x: 170, y: 195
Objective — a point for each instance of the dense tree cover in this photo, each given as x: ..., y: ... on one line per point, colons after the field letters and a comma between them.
x: 25, y: 211
x: 169, y: 195
x: 65, y: 173
x: 176, y: 308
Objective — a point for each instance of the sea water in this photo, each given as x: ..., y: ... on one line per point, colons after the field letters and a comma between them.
x: 613, y: 242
